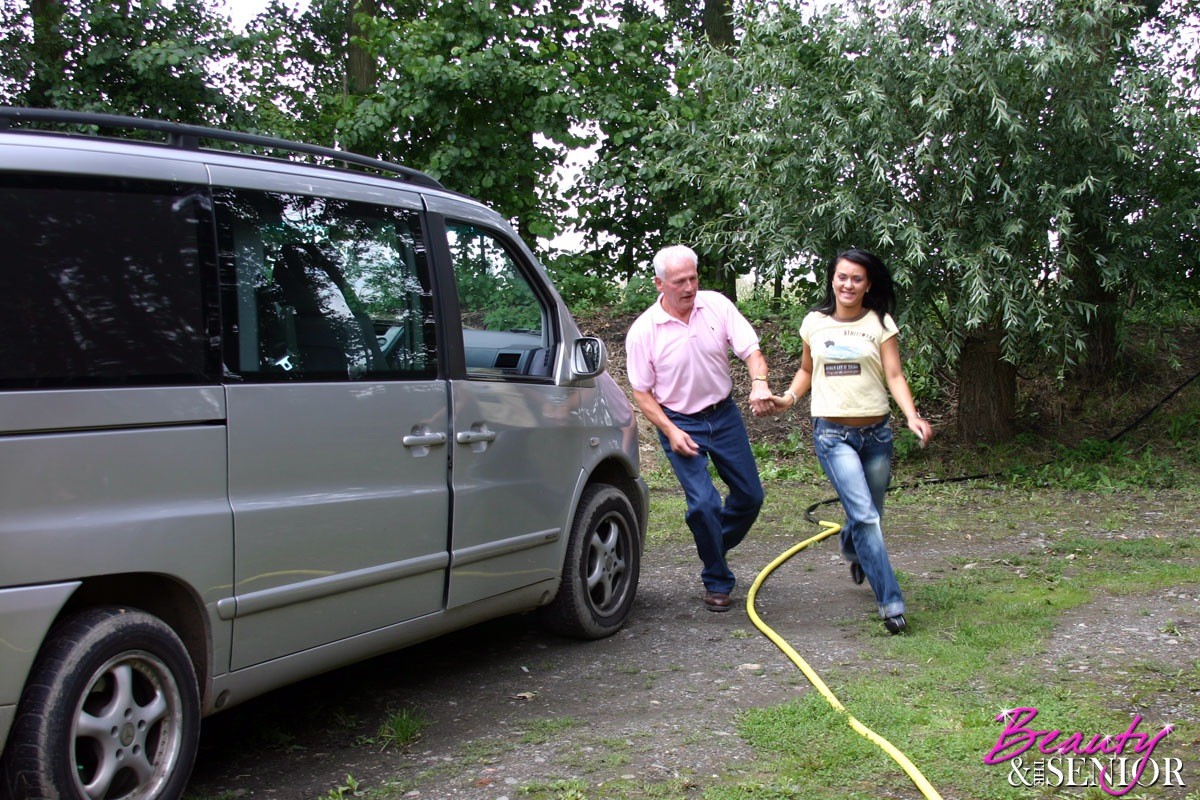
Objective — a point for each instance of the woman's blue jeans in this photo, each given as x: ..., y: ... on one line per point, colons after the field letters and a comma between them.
x: 717, y: 526
x: 858, y: 462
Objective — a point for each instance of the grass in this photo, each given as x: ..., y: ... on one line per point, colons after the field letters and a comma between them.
x: 972, y: 655
x: 399, y: 730
x: 541, y: 731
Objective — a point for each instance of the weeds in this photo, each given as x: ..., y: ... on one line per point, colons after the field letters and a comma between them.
x: 348, y: 788
x: 398, y: 730
x: 544, y: 730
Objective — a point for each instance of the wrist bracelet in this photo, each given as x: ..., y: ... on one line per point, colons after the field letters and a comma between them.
x: 759, y: 378
x: 791, y: 394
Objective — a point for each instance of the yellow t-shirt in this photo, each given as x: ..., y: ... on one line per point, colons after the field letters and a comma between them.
x: 848, y: 379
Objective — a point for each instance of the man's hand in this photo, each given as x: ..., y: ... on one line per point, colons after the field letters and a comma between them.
x: 681, y: 443
x: 760, y: 399
x: 760, y: 391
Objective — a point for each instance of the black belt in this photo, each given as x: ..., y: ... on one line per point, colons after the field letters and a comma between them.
x: 707, y: 410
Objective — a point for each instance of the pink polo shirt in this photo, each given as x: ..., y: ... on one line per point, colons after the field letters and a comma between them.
x: 685, y: 365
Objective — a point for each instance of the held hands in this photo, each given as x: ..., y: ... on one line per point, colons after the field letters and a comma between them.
x: 761, y: 399
x: 783, y: 402
x: 778, y: 403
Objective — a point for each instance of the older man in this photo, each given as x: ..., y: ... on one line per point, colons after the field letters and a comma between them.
x: 677, y: 356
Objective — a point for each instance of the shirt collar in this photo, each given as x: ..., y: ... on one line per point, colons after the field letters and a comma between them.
x: 661, y: 316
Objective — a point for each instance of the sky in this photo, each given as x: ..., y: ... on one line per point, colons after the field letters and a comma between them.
x: 242, y: 11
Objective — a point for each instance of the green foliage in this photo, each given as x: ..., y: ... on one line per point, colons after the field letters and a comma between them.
x: 622, y: 217
x: 349, y: 787
x: 1101, y: 466
x: 400, y: 729
x: 144, y: 57
x: 1009, y: 172
x: 583, y: 292
x: 790, y: 460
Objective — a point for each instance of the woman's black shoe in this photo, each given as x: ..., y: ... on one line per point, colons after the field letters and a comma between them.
x: 895, y: 624
x: 856, y: 572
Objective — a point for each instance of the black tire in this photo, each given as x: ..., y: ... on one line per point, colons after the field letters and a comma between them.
x: 111, y: 710
x: 600, y: 572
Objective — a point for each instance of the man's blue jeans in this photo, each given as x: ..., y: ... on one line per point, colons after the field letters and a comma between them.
x: 858, y: 462
x: 717, y: 526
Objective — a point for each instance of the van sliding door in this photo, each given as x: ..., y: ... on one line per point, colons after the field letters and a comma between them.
x: 337, y: 422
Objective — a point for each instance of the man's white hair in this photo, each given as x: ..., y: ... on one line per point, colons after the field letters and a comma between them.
x: 672, y: 253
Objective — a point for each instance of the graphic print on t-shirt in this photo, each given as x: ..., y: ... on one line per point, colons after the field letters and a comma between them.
x: 846, y: 357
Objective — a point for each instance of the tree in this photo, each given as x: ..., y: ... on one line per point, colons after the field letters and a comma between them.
x: 621, y: 218
x: 627, y: 207
x: 1000, y: 166
x: 482, y: 97
x: 140, y: 57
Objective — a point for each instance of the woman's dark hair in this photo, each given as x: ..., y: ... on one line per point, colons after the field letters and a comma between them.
x: 881, y: 298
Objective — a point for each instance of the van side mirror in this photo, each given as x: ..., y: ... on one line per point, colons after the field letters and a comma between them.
x: 589, y: 357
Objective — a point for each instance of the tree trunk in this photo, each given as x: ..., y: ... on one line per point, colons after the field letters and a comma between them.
x: 987, y: 390
x: 361, y: 69
x: 718, y: 29
x: 49, y: 52
x: 718, y: 23
x: 715, y: 274
x: 1100, y: 359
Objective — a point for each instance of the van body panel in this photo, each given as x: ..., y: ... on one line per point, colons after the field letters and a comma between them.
x: 324, y: 488
x: 513, y: 486
x: 26, y: 612
x: 111, y: 502
x: 121, y: 407
x: 244, y: 684
x: 314, y: 182
x: 31, y: 154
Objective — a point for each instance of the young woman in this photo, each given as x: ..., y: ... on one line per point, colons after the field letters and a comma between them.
x: 850, y: 361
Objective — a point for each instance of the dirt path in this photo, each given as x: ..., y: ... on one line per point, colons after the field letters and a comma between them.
x: 507, y: 705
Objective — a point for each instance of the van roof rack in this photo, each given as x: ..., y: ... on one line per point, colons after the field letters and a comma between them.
x: 188, y: 137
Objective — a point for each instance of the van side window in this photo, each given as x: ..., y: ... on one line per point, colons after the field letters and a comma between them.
x: 316, y: 288
x: 101, y: 283
x: 506, y: 329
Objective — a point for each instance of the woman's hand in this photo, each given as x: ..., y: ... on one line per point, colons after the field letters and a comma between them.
x: 921, y: 427
x: 778, y: 403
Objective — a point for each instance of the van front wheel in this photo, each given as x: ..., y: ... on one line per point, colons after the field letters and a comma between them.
x: 111, y: 711
x: 600, y: 572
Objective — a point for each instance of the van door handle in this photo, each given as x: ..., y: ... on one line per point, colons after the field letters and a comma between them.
x: 424, y: 439
x: 472, y: 437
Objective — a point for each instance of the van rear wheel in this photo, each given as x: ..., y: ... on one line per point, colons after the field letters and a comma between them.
x: 111, y: 711
x: 600, y: 572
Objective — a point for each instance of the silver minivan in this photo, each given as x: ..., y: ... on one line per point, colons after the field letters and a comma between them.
x: 262, y: 417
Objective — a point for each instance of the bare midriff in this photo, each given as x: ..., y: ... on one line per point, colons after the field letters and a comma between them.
x: 857, y: 422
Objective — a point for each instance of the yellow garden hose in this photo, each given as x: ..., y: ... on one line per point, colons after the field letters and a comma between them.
x: 830, y: 528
